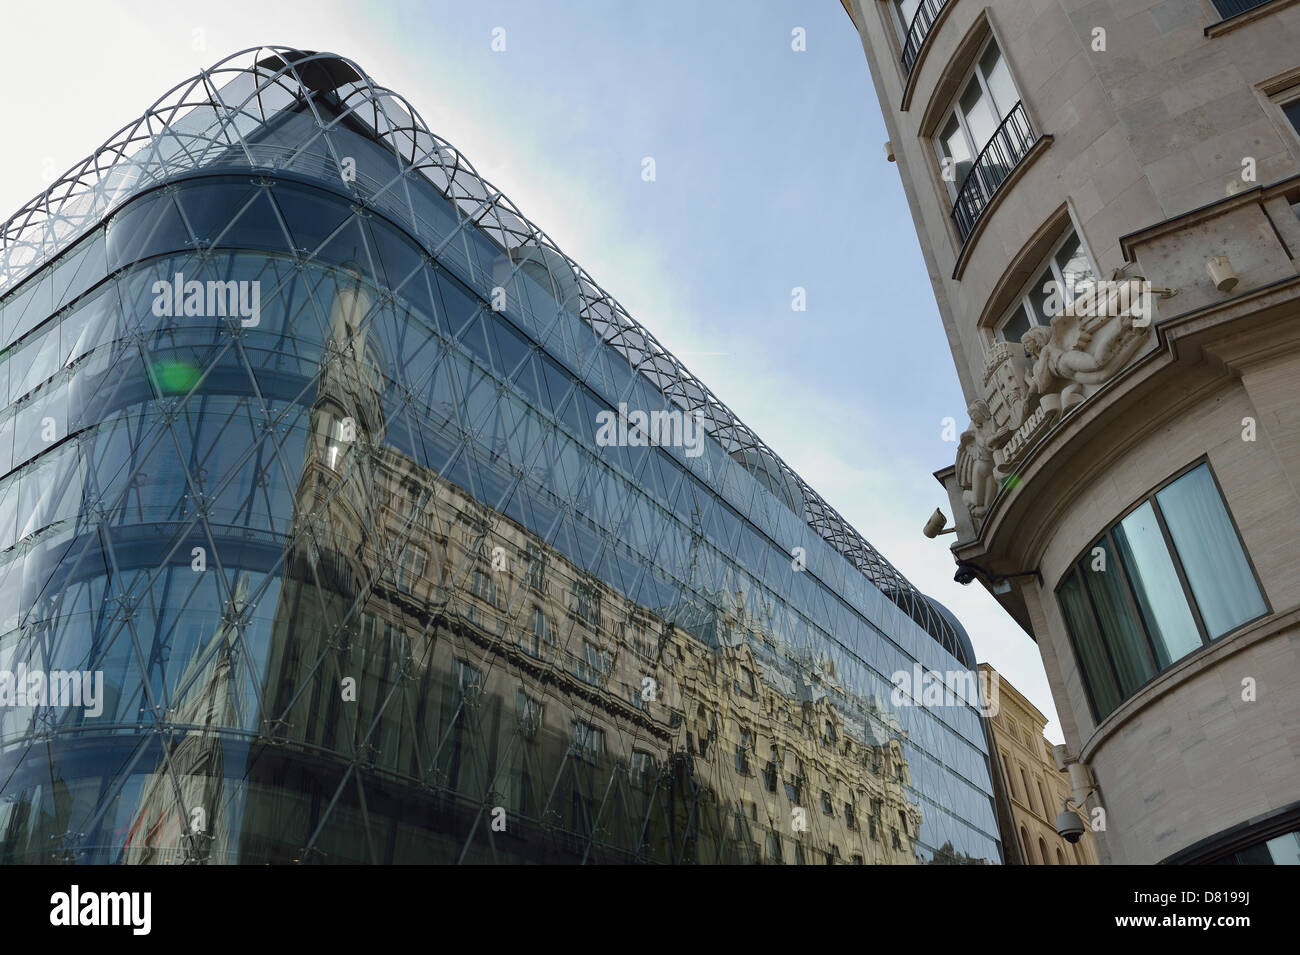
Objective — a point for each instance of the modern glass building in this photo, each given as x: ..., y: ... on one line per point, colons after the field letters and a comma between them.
x: 304, y: 472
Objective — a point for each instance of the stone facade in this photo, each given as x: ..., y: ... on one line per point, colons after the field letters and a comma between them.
x: 1034, y: 786
x: 1165, y: 138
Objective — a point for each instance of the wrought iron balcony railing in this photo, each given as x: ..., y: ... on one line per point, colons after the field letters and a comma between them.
x: 1230, y: 8
x: 1007, y: 146
x: 919, y: 29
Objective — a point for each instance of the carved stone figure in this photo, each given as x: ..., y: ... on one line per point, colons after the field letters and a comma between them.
x: 1063, y: 375
x: 975, y: 460
x: 1028, y: 389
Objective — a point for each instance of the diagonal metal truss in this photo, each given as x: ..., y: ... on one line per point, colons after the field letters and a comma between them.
x: 206, y: 122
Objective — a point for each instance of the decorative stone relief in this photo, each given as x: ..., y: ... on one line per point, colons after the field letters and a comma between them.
x: 1029, y: 387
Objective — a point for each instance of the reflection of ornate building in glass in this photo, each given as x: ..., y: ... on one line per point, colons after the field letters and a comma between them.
x: 362, y: 584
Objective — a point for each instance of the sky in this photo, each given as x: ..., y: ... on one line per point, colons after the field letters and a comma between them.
x: 770, y: 175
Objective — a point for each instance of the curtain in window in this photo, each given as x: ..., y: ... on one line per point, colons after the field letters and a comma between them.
x: 1119, y: 625
x: 1216, y: 568
x: 1092, y: 658
x: 1155, y: 585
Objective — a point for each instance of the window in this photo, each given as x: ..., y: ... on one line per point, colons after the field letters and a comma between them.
x: 1280, y: 850
x: 586, y: 602
x: 642, y: 769
x: 742, y: 752
x: 535, y: 564
x: 595, y: 665
x: 539, y: 635
x: 1029, y: 801
x: 1060, y: 859
x: 418, y: 512
x: 982, y: 139
x: 828, y: 734
x: 634, y: 635
x: 529, y: 711
x: 850, y: 817
x: 468, y: 680
x: 1042, y: 796
x: 1166, y: 580
x: 914, y: 20
x: 744, y: 683
x: 588, y: 741
x: 770, y: 773
x: 410, y: 567
x: 484, y: 587
x: 794, y: 786
x: 828, y: 807
x: 1067, y: 274
x: 1291, y: 111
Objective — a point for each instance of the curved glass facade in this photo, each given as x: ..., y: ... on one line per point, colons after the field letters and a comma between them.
x: 312, y: 481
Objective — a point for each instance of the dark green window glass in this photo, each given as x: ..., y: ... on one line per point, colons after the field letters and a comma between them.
x: 1119, y: 625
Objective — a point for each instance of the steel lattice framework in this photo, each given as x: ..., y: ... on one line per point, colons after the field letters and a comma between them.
x: 205, y: 121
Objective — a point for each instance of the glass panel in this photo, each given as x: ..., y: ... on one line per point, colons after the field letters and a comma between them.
x: 1122, y: 630
x: 980, y: 118
x: 1075, y: 267
x: 1155, y: 585
x: 1087, y: 640
x: 1039, y: 294
x: 998, y: 75
x: 1016, y: 326
x: 953, y: 142
x: 1212, y: 558
x: 1285, y: 850
x: 906, y: 11
x: 312, y: 216
x: 208, y: 205
x: 1292, y: 112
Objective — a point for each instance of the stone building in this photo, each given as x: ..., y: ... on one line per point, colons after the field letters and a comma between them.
x: 1106, y: 196
x: 1031, y: 781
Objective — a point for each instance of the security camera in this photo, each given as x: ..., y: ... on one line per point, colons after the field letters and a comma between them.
x: 1069, y: 826
x: 1061, y: 756
x: 965, y: 574
x: 934, y: 526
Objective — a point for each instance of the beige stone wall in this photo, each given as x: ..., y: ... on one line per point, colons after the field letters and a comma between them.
x: 1024, y: 754
x: 1151, y: 128
x: 1147, y: 141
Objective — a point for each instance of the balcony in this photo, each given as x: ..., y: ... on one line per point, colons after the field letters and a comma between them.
x: 1232, y: 8
x: 1008, y: 145
x: 922, y: 22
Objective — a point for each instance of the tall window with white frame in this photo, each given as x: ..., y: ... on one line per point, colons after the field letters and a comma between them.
x: 1067, y: 274
x: 983, y: 137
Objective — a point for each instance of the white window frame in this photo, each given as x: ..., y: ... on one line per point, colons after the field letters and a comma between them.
x: 955, y: 110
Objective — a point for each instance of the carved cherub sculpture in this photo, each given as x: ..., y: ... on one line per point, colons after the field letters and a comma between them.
x: 1060, y: 374
x: 975, y: 460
